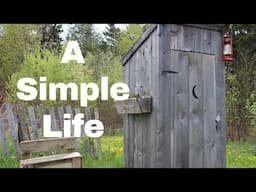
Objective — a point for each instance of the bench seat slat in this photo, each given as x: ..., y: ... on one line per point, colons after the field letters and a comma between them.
x: 51, y: 158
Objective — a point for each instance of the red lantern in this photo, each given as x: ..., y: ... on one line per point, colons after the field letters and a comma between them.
x: 227, y: 48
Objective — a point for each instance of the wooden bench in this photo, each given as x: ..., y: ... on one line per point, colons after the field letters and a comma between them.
x: 69, y: 159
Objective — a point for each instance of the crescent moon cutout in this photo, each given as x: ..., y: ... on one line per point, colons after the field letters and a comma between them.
x: 194, y: 92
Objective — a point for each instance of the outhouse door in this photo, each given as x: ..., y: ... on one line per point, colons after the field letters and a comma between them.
x: 192, y: 95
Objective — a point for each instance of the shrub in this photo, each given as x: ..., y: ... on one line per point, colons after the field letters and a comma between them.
x: 46, y: 63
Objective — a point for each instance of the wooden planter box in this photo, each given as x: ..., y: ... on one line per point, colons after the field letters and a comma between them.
x: 134, y: 105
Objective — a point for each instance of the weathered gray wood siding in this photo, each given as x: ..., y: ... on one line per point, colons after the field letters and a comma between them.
x: 191, y: 137
x: 180, y: 66
x: 141, y: 73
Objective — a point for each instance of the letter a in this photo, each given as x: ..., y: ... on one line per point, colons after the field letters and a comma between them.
x: 77, y: 56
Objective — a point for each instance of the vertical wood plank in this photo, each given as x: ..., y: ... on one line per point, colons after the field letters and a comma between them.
x: 147, y: 139
x: 150, y: 62
x: 84, y: 139
x: 87, y: 113
x: 130, y: 116
x: 77, y: 110
x: 165, y: 128
x: 174, y: 36
x: 181, y: 121
x: 23, y: 130
x: 53, y: 118
x: 162, y: 45
x: 13, y: 130
x: 155, y: 73
x: 61, y: 117
x: 126, y: 121
x: 220, y: 100
x: 99, y: 148
x: 91, y: 148
x: 77, y: 162
x: 209, y: 109
x: 3, y: 137
x: 196, y: 131
x: 137, y: 133
x: 69, y: 111
x: 41, y: 114
x: 191, y: 39
x: 209, y: 45
x: 138, y: 119
x: 33, y: 123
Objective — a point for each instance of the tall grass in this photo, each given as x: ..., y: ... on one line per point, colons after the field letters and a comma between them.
x: 241, y: 155
x: 112, y: 154
x: 9, y: 161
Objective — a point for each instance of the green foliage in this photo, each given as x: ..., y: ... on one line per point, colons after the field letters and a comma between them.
x: 45, y: 63
x: 252, y: 110
x: 128, y: 38
x: 241, y: 155
x: 10, y: 160
x: 105, y: 64
x: 1, y: 31
x: 241, y: 83
x: 50, y: 36
x: 112, y: 35
x: 103, y: 56
x: 100, y: 61
x: 86, y: 36
x: 112, y: 154
x: 16, y: 41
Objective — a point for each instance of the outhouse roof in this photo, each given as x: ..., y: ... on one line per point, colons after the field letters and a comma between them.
x: 152, y: 27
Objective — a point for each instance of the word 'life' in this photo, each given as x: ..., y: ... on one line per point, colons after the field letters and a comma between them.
x: 92, y: 128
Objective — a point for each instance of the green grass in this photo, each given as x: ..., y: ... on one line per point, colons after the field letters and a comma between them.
x: 241, y: 155
x: 112, y: 154
x: 10, y: 160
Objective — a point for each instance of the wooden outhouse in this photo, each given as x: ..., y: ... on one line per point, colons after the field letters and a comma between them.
x: 175, y: 117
